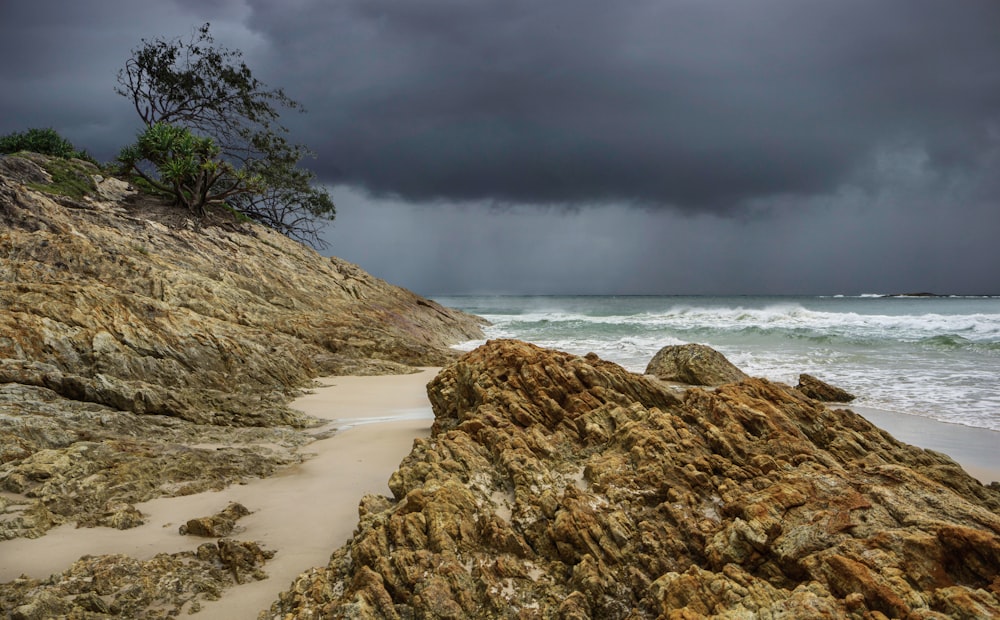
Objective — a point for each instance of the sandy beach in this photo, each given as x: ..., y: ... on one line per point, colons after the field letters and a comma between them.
x: 309, y: 510
x: 304, y: 513
x: 977, y: 450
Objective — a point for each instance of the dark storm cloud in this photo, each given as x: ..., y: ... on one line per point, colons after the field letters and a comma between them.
x: 60, y: 61
x: 783, y: 146
x: 698, y: 105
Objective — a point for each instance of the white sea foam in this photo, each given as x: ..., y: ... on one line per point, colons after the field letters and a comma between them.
x: 912, y: 328
x: 937, y: 357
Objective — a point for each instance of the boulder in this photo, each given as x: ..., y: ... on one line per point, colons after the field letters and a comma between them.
x: 220, y: 524
x: 822, y: 391
x: 555, y: 485
x: 693, y: 364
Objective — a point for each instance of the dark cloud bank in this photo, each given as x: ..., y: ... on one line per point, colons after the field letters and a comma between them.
x: 696, y: 105
x: 648, y: 146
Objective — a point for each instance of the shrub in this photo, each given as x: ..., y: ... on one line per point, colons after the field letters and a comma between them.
x: 44, y: 141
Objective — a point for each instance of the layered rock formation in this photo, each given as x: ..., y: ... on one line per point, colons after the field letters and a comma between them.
x: 821, y: 390
x: 144, y: 354
x: 117, y: 586
x: 557, y: 486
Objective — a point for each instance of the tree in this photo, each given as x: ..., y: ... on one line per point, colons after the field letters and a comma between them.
x: 209, y: 90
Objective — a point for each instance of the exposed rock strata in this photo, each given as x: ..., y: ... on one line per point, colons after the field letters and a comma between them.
x: 557, y: 486
x: 693, y: 364
x: 105, y: 303
x: 117, y: 586
x: 218, y: 525
x: 822, y: 391
x: 143, y: 354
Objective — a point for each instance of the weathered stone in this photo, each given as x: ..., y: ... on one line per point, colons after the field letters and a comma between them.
x: 121, y: 516
x: 45, y: 605
x: 130, y: 339
x: 822, y: 391
x: 119, y: 586
x: 220, y: 524
x: 143, y: 355
x: 243, y: 558
x: 137, y: 312
x: 555, y: 486
x: 693, y: 364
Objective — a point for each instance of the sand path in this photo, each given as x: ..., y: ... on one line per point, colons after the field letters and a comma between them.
x: 304, y: 513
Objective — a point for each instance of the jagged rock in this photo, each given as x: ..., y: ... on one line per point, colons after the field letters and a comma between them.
x: 130, y: 336
x: 84, y: 461
x: 137, y: 312
x: 693, y: 364
x: 24, y: 169
x: 822, y: 391
x: 122, y: 587
x: 562, y: 486
x: 43, y: 607
x: 220, y: 524
x: 121, y: 516
x: 243, y: 558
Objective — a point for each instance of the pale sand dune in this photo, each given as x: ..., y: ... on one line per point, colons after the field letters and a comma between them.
x: 304, y: 513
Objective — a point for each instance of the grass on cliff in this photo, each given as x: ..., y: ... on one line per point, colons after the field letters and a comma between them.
x: 70, y: 177
x: 74, y: 179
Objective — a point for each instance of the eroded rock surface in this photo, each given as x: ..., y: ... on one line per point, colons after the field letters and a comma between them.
x: 218, y: 525
x: 144, y: 354
x: 117, y: 586
x: 822, y: 391
x: 557, y: 486
x: 693, y: 364
x: 105, y: 303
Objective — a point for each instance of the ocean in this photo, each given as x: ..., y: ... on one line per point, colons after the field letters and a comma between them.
x: 936, y: 357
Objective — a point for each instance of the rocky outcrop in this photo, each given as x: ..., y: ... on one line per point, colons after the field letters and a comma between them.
x: 144, y: 354
x: 693, y: 364
x: 130, y: 305
x: 218, y: 525
x: 558, y: 486
x: 822, y: 391
x: 117, y: 586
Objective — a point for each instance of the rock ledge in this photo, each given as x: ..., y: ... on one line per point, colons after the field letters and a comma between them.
x: 557, y: 486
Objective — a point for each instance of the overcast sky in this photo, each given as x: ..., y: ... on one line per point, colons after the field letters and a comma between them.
x: 578, y: 146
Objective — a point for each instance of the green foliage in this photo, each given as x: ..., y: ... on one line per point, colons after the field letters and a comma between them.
x: 209, y: 90
x: 70, y: 177
x: 289, y: 203
x: 198, y: 85
x: 44, y: 141
x: 174, y: 161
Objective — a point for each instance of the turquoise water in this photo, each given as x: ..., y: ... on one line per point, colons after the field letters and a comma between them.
x: 937, y: 357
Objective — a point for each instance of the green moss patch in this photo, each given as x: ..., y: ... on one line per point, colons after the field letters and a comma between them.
x: 70, y: 177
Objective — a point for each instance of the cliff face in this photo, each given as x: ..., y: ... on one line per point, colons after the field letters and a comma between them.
x: 114, y: 306
x: 128, y: 301
x: 557, y: 486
